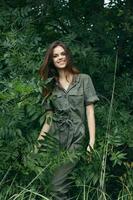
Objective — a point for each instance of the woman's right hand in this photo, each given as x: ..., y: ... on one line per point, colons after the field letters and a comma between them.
x: 41, y: 136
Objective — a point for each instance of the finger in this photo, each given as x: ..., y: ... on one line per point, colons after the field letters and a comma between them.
x: 88, y: 149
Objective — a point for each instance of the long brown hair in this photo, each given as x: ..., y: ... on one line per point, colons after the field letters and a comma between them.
x: 48, y: 69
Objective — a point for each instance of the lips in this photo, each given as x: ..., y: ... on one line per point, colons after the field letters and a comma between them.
x: 61, y: 62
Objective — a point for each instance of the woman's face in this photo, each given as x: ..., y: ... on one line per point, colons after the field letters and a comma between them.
x: 59, y: 57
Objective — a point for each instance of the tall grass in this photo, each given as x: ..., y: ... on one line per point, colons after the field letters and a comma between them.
x: 102, y: 183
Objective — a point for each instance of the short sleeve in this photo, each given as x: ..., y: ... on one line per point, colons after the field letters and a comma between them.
x: 47, y: 104
x: 90, y: 95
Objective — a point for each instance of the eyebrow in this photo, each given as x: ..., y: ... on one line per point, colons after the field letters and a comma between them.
x: 54, y: 54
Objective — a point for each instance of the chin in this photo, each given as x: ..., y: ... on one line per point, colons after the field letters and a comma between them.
x: 61, y: 66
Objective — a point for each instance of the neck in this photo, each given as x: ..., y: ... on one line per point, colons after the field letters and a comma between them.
x: 62, y: 74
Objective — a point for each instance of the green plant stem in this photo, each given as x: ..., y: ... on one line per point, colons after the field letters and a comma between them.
x: 105, y: 150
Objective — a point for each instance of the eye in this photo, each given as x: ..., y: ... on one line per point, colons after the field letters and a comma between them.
x: 55, y: 55
x: 63, y: 53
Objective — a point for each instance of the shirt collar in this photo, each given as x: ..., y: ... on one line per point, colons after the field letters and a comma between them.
x: 75, y: 80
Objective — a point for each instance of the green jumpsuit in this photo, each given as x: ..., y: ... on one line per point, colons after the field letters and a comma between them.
x: 68, y: 125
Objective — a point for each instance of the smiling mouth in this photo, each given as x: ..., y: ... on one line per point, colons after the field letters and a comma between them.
x: 61, y: 62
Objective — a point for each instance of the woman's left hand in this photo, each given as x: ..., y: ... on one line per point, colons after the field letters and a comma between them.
x: 90, y: 147
x: 89, y: 151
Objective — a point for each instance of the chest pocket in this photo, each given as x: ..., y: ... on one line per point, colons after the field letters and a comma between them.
x: 76, y: 98
x: 59, y: 101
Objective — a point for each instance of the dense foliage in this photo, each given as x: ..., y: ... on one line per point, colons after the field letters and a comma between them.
x: 100, y: 38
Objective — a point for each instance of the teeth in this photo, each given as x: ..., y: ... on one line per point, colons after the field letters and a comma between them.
x: 61, y: 62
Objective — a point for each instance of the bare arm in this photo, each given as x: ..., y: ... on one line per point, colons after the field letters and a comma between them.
x: 46, y: 125
x: 91, y: 125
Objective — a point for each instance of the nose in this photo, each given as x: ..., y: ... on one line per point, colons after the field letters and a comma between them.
x: 60, y: 57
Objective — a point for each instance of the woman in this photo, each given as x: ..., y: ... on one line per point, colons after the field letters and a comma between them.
x: 70, y: 101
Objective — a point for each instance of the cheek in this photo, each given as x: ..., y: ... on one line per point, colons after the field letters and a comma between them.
x: 55, y: 63
x: 54, y: 60
x: 65, y: 57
